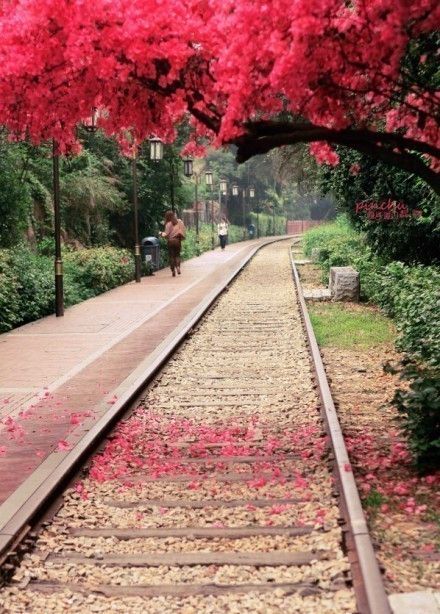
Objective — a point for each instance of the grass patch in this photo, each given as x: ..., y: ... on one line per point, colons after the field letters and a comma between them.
x: 350, y: 326
x: 374, y: 499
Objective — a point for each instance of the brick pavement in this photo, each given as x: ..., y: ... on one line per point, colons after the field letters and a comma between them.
x: 55, y: 373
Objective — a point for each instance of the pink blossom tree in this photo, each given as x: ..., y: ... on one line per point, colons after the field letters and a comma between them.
x: 257, y: 73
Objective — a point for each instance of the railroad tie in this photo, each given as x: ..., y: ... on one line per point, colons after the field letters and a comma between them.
x: 184, y: 559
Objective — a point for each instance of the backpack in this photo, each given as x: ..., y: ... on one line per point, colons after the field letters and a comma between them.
x: 182, y: 230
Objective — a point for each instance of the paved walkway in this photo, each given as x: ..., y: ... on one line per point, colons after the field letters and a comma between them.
x: 55, y: 373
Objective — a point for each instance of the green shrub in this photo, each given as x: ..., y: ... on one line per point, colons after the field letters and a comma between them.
x: 34, y: 275
x: 9, y: 293
x: 27, y: 280
x: 325, y: 234
x: 411, y: 296
x: 98, y: 269
x: 419, y: 407
x: 408, y: 294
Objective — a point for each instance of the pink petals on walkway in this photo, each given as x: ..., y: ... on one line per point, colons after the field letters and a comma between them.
x: 63, y: 446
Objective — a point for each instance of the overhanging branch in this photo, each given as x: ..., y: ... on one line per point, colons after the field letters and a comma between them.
x: 393, y: 139
x: 392, y: 149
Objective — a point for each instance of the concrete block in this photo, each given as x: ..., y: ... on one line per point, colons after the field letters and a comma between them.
x: 414, y: 603
x: 344, y: 283
x: 317, y: 294
x: 314, y: 254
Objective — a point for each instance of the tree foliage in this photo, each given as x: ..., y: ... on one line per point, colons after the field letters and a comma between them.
x: 259, y: 73
x: 15, y: 199
x: 358, y: 178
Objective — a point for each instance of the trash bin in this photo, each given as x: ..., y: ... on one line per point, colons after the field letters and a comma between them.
x: 251, y: 231
x: 151, y: 252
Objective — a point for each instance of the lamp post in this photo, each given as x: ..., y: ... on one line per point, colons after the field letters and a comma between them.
x: 223, y: 189
x: 273, y: 220
x: 208, y: 180
x: 137, y: 247
x: 90, y: 124
x: 156, y: 149
x: 59, y: 295
x: 188, y: 171
x: 252, y: 196
x: 235, y: 190
x: 243, y: 204
x: 156, y: 155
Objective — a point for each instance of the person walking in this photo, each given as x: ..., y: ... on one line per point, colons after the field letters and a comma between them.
x: 174, y: 234
x: 222, y: 231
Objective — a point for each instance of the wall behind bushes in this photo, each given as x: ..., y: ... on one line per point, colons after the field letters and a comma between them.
x: 265, y: 223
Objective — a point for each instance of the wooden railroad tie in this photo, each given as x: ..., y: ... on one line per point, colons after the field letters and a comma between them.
x: 246, y: 476
x: 198, y: 505
x: 171, y: 590
x: 257, y: 458
x: 183, y: 559
x: 191, y: 532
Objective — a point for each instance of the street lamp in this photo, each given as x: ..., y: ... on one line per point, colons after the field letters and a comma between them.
x: 156, y: 149
x: 156, y: 155
x: 208, y: 178
x: 90, y: 124
x: 235, y: 190
x: 188, y: 167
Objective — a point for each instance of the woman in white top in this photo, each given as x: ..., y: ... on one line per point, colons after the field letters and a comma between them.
x: 222, y: 231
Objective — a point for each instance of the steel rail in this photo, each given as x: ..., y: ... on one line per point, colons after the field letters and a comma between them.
x: 19, y: 513
x: 372, y: 584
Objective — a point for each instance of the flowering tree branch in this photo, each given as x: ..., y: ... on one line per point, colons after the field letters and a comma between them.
x: 391, y: 148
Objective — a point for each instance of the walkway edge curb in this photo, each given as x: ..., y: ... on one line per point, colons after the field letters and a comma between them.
x: 19, y: 511
x: 375, y: 594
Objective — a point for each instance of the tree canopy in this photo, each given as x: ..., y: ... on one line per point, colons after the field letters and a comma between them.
x: 257, y: 73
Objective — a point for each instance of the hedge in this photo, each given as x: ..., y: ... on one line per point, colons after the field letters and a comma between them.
x: 27, y: 280
x: 26, y: 277
x: 411, y: 296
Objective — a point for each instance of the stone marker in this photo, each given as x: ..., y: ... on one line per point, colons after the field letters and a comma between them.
x: 314, y: 254
x: 415, y: 603
x: 344, y: 283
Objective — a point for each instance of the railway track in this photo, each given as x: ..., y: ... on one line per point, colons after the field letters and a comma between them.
x: 218, y: 492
